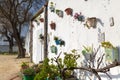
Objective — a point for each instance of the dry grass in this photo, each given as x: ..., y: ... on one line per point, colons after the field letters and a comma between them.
x: 10, y: 67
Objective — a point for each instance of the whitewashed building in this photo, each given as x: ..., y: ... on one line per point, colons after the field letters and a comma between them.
x: 72, y: 29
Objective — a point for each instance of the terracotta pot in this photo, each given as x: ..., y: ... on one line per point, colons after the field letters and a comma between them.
x: 68, y: 11
x: 41, y: 20
x: 53, y: 26
x: 91, y: 22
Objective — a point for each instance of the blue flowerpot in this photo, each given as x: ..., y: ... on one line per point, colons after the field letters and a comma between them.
x: 57, y: 42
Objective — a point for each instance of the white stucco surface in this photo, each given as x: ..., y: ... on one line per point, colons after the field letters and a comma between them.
x: 74, y: 33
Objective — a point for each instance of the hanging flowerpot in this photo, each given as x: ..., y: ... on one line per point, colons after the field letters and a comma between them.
x: 53, y: 49
x: 79, y: 17
x: 111, y: 54
x: 53, y: 25
x: 41, y: 20
x: 52, y: 7
x: 91, y: 22
x: 41, y: 36
x: 62, y: 43
x: 57, y: 42
x: 69, y: 11
x: 59, y: 13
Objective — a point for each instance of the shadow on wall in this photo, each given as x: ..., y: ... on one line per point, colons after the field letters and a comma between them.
x: 116, y: 77
x: 119, y: 54
x: 100, y: 21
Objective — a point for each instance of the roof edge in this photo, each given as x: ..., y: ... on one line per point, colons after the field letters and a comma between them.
x: 38, y: 13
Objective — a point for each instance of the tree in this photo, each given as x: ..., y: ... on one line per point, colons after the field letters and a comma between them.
x: 17, y: 13
x: 4, y: 31
x: 90, y: 66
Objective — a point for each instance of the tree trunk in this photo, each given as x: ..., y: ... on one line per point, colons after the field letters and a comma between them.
x: 21, y: 51
x: 10, y: 46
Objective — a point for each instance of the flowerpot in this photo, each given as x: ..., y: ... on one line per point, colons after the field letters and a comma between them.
x: 80, y: 18
x: 59, y: 13
x: 53, y: 49
x: 57, y: 42
x: 87, y: 56
x: 52, y: 9
x: 76, y: 16
x: 53, y: 26
x: 62, y: 43
x: 69, y: 11
x: 111, y: 54
x: 24, y: 67
x: 41, y: 36
x: 41, y: 20
x: 58, y: 78
x: 91, y: 22
x: 28, y: 77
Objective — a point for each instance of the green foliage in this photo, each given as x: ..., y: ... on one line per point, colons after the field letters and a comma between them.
x: 29, y: 71
x: 107, y: 44
x: 52, y: 71
x: 47, y: 71
x: 55, y: 38
x: 24, y: 64
x: 70, y: 59
x: 87, y: 49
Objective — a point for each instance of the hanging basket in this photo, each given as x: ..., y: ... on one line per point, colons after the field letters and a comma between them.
x: 69, y: 11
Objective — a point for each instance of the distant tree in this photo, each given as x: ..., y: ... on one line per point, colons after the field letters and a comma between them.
x: 17, y: 13
x: 4, y: 31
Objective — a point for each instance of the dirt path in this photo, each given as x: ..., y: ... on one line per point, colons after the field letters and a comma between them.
x: 10, y: 67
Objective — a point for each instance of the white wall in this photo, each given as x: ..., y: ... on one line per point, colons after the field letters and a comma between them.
x: 74, y: 33
x: 37, y: 44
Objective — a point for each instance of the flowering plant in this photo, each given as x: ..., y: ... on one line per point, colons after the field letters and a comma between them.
x: 79, y: 17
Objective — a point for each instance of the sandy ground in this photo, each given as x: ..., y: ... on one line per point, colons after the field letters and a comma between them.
x: 10, y: 67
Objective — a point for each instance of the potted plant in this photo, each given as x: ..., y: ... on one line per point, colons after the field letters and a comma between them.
x: 24, y: 65
x: 48, y: 72
x: 59, y: 13
x: 52, y: 7
x: 57, y: 41
x: 53, y: 25
x: 53, y: 49
x: 69, y: 11
x: 79, y: 17
x: 111, y: 52
x: 91, y: 22
x: 87, y: 52
x: 28, y: 73
x: 62, y: 43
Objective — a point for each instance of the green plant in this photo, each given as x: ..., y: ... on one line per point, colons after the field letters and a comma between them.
x: 46, y: 71
x: 55, y: 71
x: 24, y: 65
x: 29, y: 71
x: 107, y: 44
x: 70, y: 59
x: 55, y: 38
x: 87, y: 49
